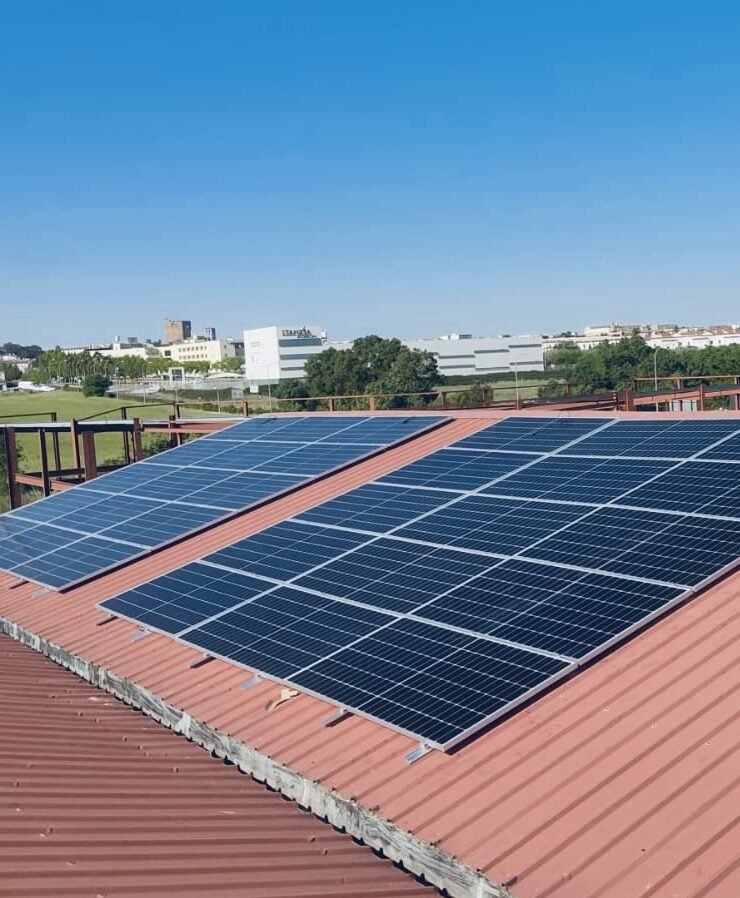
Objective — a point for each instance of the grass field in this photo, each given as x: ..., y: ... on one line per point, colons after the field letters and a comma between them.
x: 109, y: 446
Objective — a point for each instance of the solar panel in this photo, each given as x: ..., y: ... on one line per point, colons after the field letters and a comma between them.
x: 117, y: 517
x: 435, y: 600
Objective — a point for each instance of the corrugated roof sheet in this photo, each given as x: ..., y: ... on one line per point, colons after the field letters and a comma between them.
x: 622, y: 781
x: 98, y: 800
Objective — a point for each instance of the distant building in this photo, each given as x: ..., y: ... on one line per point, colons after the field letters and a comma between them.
x: 665, y: 336
x: 464, y: 355
x: 199, y: 349
x: 175, y: 331
x: 280, y: 352
x: 209, y: 333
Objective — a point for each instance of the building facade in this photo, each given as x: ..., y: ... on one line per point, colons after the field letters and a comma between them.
x: 175, y: 331
x: 461, y: 355
x: 199, y: 349
x: 661, y: 336
x: 280, y: 352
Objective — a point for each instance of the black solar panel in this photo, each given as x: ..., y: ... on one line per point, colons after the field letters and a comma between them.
x: 434, y: 600
x: 156, y: 501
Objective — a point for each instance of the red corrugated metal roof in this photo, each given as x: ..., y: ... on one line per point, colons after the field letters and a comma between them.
x: 97, y: 800
x: 622, y: 781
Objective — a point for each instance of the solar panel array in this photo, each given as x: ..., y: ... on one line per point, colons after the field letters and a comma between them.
x: 71, y: 536
x: 444, y: 594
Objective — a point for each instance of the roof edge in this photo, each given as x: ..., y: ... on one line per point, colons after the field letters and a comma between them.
x: 414, y: 855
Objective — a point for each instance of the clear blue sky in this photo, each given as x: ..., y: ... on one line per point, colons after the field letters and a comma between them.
x: 401, y: 167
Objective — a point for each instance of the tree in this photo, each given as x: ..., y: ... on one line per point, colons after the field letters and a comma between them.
x: 372, y: 365
x: 95, y: 385
x: 233, y: 364
x: 12, y: 372
x: 294, y: 389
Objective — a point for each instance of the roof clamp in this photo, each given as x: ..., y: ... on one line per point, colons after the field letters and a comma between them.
x: 41, y: 593
x: 421, y: 749
x: 17, y: 582
x: 107, y: 619
x: 140, y: 635
x: 200, y: 661
x: 337, y: 717
x: 252, y: 681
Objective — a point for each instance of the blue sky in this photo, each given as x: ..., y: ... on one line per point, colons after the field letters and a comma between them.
x: 405, y: 168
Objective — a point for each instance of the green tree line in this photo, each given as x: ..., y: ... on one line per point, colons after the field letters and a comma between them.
x: 56, y: 364
x: 612, y: 366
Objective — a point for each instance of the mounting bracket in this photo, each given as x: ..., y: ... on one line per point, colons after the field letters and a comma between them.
x: 339, y: 715
x: 252, y: 681
x: 421, y: 749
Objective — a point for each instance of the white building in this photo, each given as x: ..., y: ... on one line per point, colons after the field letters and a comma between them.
x: 195, y: 349
x: 464, y: 355
x: 198, y: 349
x: 281, y: 352
x: 661, y: 336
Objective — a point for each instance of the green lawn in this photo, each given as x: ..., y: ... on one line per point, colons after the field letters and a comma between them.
x: 109, y: 446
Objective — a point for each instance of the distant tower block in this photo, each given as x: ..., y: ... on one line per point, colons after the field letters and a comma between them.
x: 209, y: 333
x: 176, y: 331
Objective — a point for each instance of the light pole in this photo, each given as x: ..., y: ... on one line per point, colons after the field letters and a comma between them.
x: 655, y: 376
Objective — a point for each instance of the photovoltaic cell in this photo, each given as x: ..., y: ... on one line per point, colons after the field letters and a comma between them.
x: 394, y: 575
x: 701, y: 487
x: 284, y: 630
x: 185, y: 489
x: 443, y: 595
x: 555, y: 609
x: 572, y: 479
x: 75, y: 560
x: 375, y: 508
x: 285, y: 550
x: 186, y: 597
x: 488, y: 524
x: 424, y: 679
x: 451, y: 469
x: 654, y: 439
x: 531, y: 434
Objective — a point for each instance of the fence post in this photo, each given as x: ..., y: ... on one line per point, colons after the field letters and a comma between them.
x: 138, y: 448
x: 245, y: 408
x: 126, y: 447
x: 45, y: 483
x: 11, y: 465
x: 88, y: 449
x: 74, y: 436
x: 55, y: 444
x: 372, y: 403
x: 702, y: 396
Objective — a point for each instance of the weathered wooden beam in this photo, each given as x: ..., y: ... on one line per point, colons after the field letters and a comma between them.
x: 88, y: 450
x: 11, y: 466
x: 138, y: 446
